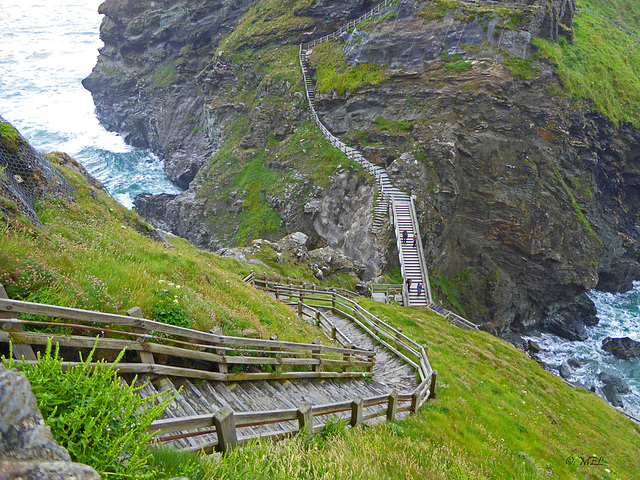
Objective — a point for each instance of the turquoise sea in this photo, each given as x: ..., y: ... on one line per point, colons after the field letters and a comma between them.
x: 46, y: 48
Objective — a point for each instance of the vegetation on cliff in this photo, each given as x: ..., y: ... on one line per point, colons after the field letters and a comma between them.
x: 602, y: 66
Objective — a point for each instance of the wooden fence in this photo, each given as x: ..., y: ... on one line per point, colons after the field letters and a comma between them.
x: 225, y: 423
x: 352, y: 24
x: 210, y: 355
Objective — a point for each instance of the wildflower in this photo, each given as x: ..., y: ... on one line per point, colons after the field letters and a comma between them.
x: 160, y: 281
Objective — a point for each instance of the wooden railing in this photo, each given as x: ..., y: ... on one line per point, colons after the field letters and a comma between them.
x: 225, y: 423
x: 391, y: 338
x: 352, y: 24
x: 217, y: 353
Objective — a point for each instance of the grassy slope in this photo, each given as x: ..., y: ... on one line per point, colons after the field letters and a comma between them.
x: 89, y: 256
x: 498, y: 414
x: 603, y: 64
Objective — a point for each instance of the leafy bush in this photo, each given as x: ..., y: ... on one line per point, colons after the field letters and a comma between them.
x: 100, y: 421
x: 168, y: 310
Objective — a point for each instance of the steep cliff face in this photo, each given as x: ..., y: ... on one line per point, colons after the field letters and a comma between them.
x: 144, y: 82
x: 526, y: 199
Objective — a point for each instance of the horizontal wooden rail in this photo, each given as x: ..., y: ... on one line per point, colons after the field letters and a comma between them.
x: 225, y: 422
x: 148, y: 338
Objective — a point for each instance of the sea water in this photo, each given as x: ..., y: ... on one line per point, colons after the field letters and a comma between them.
x: 619, y: 316
x: 46, y: 48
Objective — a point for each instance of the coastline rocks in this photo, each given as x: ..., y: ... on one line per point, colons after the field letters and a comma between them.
x: 569, y: 328
x: 624, y: 348
x: 565, y: 371
x: 27, y: 448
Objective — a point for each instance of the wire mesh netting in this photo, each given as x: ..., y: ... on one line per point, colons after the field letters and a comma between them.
x: 25, y: 176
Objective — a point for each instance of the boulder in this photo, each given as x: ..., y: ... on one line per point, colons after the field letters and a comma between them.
x: 565, y: 371
x: 624, y: 348
x: 621, y: 387
x: 293, y: 241
x: 27, y: 448
x: 611, y: 394
x: 567, y: 327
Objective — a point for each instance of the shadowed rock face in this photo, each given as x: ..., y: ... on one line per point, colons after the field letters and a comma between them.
x: 27, y: 449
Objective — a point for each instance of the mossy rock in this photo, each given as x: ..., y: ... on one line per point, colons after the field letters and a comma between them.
x: 10, y: 138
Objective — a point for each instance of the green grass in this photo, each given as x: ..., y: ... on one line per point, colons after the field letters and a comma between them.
x: 265, y: 21
x: 9, y: 137
x: 333, y: 71
x: 497, y: 415
x: 575, y: 204
x: 603, y: 64
x: 521, y: 68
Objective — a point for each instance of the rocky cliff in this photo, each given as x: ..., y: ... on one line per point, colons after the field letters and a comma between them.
x: 526, y: 199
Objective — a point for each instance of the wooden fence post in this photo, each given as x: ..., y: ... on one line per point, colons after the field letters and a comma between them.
x: 222, y: 366
x: 356, y: 412
x: 145, y: 357
x: 393, y: 406
x: 315, y: 353
x: 300, y: 304
x: 275, y: 337
x: 415, y: 402
x: 333, y: 302
x: 396, y: 340
x: 226, y: 429
x: 19, y: 349
x: 317, y: 318
x: 432, y: 388
x: 305, y: 418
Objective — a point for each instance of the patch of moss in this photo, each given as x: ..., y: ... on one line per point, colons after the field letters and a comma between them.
x: 575, y: 204
x: 165, y: 75
x: 10, y: 138
x: 333, y: 71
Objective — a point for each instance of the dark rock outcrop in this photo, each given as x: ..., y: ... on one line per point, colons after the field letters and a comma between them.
x: 607, y: 379
x: 624, y: 348
x: 27, y: 449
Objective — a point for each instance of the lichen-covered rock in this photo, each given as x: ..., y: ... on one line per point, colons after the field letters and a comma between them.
x: 27, y: 448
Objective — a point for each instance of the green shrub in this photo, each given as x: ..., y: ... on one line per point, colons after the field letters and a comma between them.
x: 101, y: 422
x: 459, y: 66
x: 168, y: 310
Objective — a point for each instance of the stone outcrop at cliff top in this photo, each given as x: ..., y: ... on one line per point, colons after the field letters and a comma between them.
x: 27, y: 449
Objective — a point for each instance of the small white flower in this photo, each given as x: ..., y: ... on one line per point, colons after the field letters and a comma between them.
x: 175, y: 300
x: 171, y: 284
x: 178, y: 286
x: 160, y: 281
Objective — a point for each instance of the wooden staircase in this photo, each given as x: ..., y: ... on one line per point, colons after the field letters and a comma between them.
x: 405, y: 218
